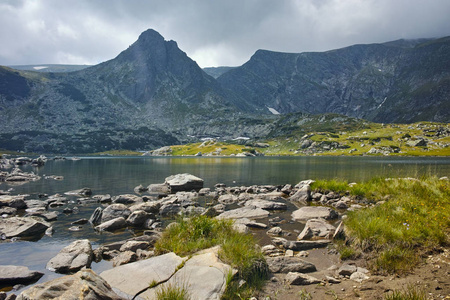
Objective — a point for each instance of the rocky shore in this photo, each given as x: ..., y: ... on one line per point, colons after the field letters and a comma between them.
x: 296, y: 227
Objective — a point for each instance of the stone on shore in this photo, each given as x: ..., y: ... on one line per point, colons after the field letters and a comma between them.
x: 313, y: 212
x: 184, y: 182
x: 316, y: 228
x: 296, y: 278
x: 303, y: 195
x: 285, y: 264
x: 112, y: 225
x: 12, y: 275
x: 114, y: 211
x: 22, y: 227
x: 72, y: 257
x: 266, y: 204
x: 127, y: 199
x: 250, y: 212
x: 84, y: 284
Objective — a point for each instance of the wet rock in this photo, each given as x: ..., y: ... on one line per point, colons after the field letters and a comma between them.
x: 159, y: 188
x: 300, y: 245
x: 283, y: 264
x: 102, y: 198
x: 72, y: 258
x: 140, y: 189
x: 22, y: 227
x: 80, y: 222
x: 114, y: 211
x: 6, y: 210
x: 80, y: 192
x: 295, y: 278
x: 310, y: 212
x: 96, y: 216
x: 17, y: 202
x: 250, y: 223
x: 112, y: 225
x: 11, y: 275
x: 184, y: 182
x: 275, y: 231
x: 316, y: 228
x: 85, y: 284
x: 271, y: 250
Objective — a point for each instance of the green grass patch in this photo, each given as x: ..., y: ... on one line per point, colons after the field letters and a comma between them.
x: 187, y: 236
x: 413, y: 219
x: 119, y: 153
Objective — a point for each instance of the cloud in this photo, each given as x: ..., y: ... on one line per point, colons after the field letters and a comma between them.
x: 222, y: 32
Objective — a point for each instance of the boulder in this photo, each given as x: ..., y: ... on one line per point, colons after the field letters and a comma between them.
x: 13, y: 201
x: 85, y: 284
x: 112, y: 225
x: 140, y: 189
x: 311, y: 212
x: 250, y: 212
x: 22, y: 227
x: 347, y: 270
x: 296, y: 278
x: 227, y: 199
x: 138, y: 218
x: 114, y: 211
x: 184, y: 182
x: 96, y: 216
x: 303, y: 195
x: 149, y: 207
x: 125, y: 257
x: 132, y: 278
x: 159, y: 188
x: 316, y: 228
x: 134, y: 245
x: 72, y: 258
x: 12, y: 275
x: 266, y: 204
x: 285, y: 264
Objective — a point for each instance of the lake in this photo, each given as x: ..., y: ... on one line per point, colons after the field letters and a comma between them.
x: 119, y: 175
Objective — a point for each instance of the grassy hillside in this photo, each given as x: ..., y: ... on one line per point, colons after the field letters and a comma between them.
x: 418, y: 139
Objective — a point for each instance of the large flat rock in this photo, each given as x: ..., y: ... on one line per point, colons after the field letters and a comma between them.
x: 204, y: 276
x: 22, y: 227
x: 72, y: 258
x: 250, y: 212
x: 184, y: 182
x: 130, y: 279
x: 82, y: 285
x: 311, y: 212
x: 17, y: 274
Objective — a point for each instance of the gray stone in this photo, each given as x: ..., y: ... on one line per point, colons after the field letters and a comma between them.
x: 310, y: 212
x: 359, y: 277
x: 316, y: 228
x: 283, y: 264
x: 159, y: 188
x: 125, y: 257
x: 11, y: 275
x: 169, y: 209
x: 13, y: 201
x: 72, y: 257
x: 303, y: 195
x: 266, y: 204
x: 114, y: 211
x: 96, y: 216
x: 140, y: 189
x: 275, y: 231
x: 300, y: 245
x: 134, y: 245
x: 22, y: 227
x: 132, y: 278
x: 295, y: 278
x: 250, y: 212
x: 138, y: 218
x: 184, y: 182
x: 127, y: 199
x: 149, y: 207
x: 347, y: 270
x: 227, y: 199
x: 85, y: 284
x: 80, y: 192
x: 112, y: 225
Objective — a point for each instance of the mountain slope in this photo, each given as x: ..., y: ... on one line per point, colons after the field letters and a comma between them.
x: 400, y: 81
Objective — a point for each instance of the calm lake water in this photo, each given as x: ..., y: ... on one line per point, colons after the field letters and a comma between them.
x: 119, y: 175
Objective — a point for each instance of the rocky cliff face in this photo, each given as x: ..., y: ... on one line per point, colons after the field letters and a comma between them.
x: 402, y: 81
x: 152, y: 94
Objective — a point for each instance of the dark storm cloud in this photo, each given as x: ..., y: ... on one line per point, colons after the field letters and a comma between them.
x: 222, y: 32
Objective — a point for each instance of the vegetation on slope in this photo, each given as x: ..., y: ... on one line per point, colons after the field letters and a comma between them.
x: 409, y: 219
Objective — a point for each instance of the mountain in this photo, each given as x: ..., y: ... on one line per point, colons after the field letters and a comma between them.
x: 400, y: 81
x: 152, y: 94
x: 217, y: 71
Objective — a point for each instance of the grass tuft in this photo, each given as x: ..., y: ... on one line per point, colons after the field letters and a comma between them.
x: 410, y: 293
x: 172, y: 292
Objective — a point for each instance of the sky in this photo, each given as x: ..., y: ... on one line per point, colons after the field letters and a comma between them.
x: 211, y: 32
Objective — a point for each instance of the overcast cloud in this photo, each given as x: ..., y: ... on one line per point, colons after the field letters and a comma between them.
x: 212, y: 32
